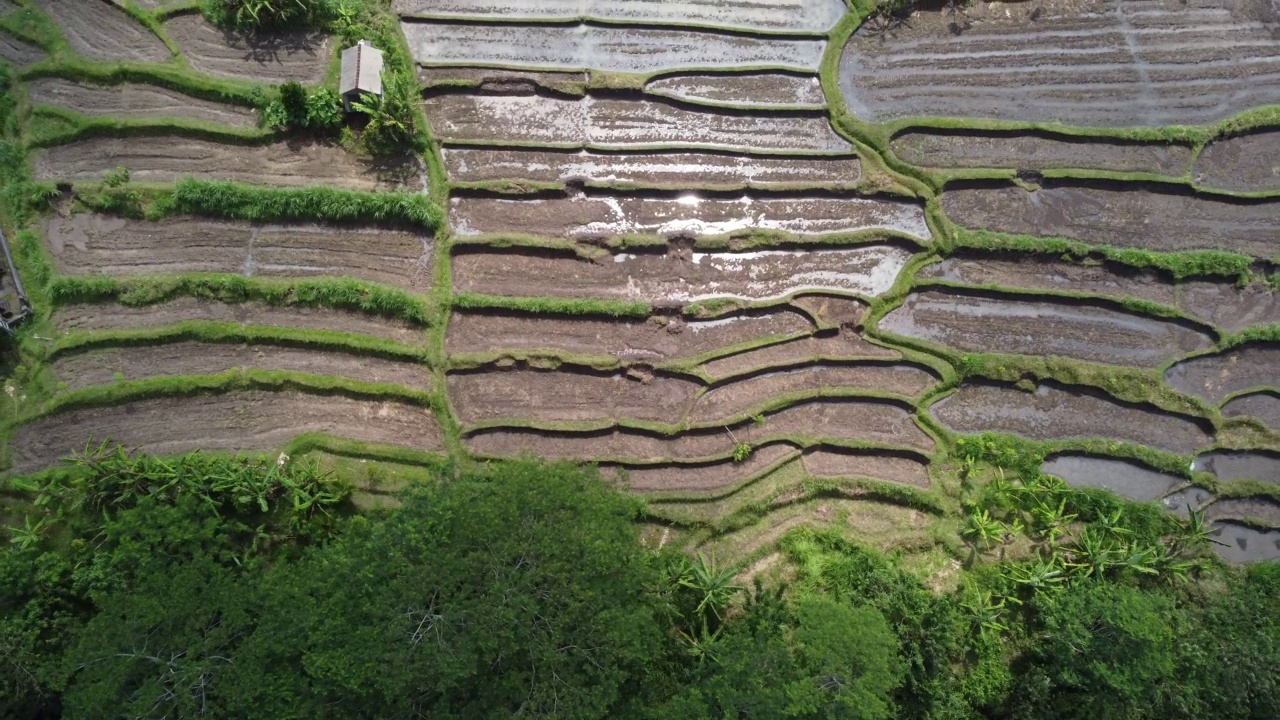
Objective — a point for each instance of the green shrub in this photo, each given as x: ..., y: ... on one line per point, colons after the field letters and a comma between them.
x: 256, y: 14
x: 302, y: 109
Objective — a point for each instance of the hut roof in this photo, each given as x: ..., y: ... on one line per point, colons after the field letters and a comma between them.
x: 361, y: 69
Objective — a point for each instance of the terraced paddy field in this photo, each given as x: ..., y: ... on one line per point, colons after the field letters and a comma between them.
x: 770, y: 265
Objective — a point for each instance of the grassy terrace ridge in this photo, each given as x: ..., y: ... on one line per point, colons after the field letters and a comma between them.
x: 74, y: 126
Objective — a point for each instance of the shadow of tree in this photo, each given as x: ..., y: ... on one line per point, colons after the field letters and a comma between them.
x: 267, y: 47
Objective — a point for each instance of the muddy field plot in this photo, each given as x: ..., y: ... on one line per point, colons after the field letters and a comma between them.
x: 169, y: 158
x: 1137, y: 216
x: 650, y: 340
x: 1214, y: 377
x: 703, y: 477
x: 274, y: 57
x: 735, y: 399
x: 98, y: 30
x: 1243, y: 543
x: 708, y: 171
x: 605, y: 122
x: 130, y: 100
x: 1080, y: 330
x: 834, y: 347
x: 567, y: 396
x: 104, y: 367
x: 1108, y: 63
x: 107, y: 316
x: 836, y: 463
x: 91, y: 244
x: 1248, y: 163
x: 941, y: 149
x: 783, y: 90
x: 604, y: 47
x: 1125, y: 478
x: 1262, y: 509
x: 664, y: 279
x: 1222, y: 304
x: 235, y: 421
x: 19, y: 52
x: 797, y: 16
x: 1054, y: 413
x: 605, y: 216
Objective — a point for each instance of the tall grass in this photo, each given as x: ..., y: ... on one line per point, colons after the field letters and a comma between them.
x: 247, y: 202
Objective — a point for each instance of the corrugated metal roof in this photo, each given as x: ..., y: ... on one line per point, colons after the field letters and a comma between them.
x: 361, y: 69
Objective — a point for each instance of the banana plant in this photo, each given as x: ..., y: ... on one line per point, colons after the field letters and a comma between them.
x: 983, y: 530
x: 1093, y: 554
x: 1038, y: 576
x: 984, y: 613
x: 1196, y: 534
x: 1052, y: 521
x: 715, y: 588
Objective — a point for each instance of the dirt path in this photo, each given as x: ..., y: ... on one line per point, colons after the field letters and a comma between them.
x: 673, y: 278
x: 90, y: 244
x: 98, y: 30
x: 129, y: 100
x: 169, y: 158
x: 235, y: 421
x: 115, y: 316
x: 104, y: 367
x: 265, y: 57
x: 652, y: 340
x: 1054, y: 413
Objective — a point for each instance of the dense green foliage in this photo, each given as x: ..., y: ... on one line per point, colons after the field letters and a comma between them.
x: 301, y: 109
x: 255, y: 14
x: 232, y: 588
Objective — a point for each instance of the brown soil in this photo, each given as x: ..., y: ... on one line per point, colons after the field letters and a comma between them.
x: 551, y: 396
x: 655, y: 340
x: 601, y: 216
x: 733, y: 399
x: 19, y: 52
x: 1126, y: 218
x: 833, y: 311
x: 1029, y: 327
x: 1262, y: 406
x: 607, y: 122
x: 833, y: 420
x: 265, y: 57
x: 846, y: 345
x: 852, y: 420
x: 91, y: 244
x: 1031, y: 152
x: 707, y: 476
x: 842, y: 463
x: 1053, y: 413
x: 672, y: 279
x: 1079, y: 62
x: 502, y: 81
x: 652, y: 169
x: 748, y: 89
x: 1255, y: 508
x: 100, y: 31
x: 1249, y: 163
x: 114, y: 316
x: 1220, y: 303
x: 129, y: 100
x: 103, y: 367
x: 168, y: 158
x: 235, y: 421
x: 1213, y: 377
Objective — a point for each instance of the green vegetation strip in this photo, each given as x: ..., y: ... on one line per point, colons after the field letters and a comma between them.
x: 552, y: 306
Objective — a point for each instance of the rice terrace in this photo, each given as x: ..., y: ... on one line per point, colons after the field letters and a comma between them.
x: 983, y: 297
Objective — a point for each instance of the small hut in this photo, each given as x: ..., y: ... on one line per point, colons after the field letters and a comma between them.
x: 361, y: 73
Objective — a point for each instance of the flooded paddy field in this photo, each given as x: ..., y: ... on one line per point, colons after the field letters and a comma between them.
x: 1214, y: 377
x: 1125, y: 478
x: 650, y: 169
x: 663, y: 279
x: 1230, y: 465
x: 797, y: 16
x: 942, y: 149
x: 1245, y: 163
